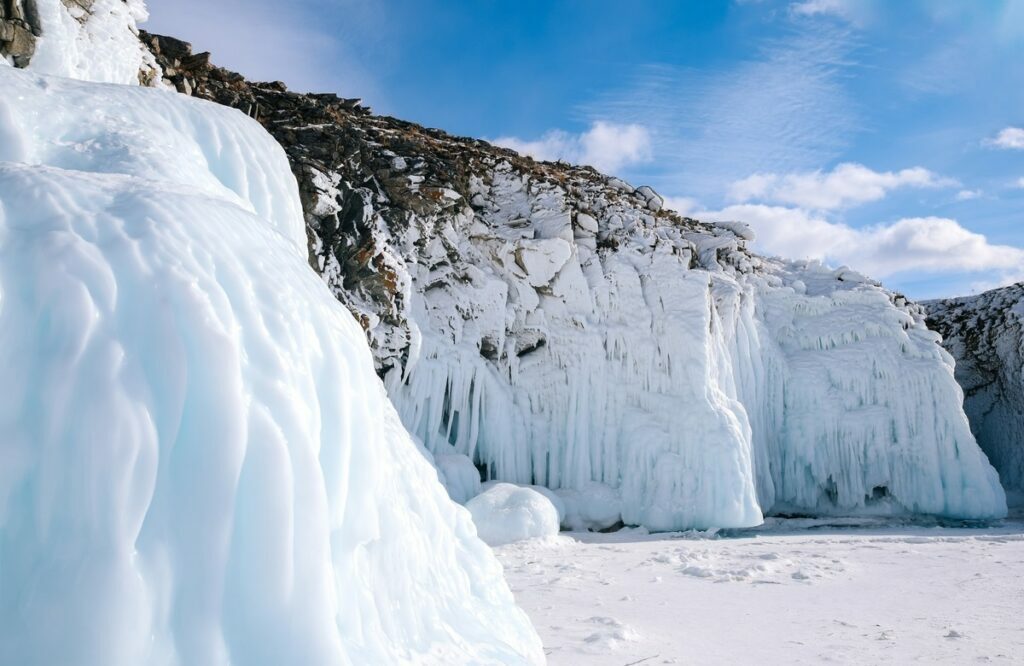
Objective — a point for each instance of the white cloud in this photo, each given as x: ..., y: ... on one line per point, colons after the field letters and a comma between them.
x: 967, y: 195
x: 924, y: 244
x: 1009, y: 138
x: 1019, y: 183
x: 605, y: 146
x: 839, y: 8
x: 856, y: 12
x: 847, y: 185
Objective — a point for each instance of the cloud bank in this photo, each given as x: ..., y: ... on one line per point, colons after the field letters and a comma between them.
x: 605, y: 146
x: 923, y: 244
x: 847, y: 185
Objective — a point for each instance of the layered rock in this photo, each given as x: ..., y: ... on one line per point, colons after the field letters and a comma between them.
x: 985, y: 334
x: 562, y: 328
x: 19, y: 27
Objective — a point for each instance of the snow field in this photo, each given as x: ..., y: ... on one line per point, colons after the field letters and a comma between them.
x: 791, y: 592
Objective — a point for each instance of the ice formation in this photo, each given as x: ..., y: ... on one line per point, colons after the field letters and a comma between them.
x: 562, y: 328
x: 506, y: 513
x: 706, y: 384
x: 197, y: 463
x: 985, y: 334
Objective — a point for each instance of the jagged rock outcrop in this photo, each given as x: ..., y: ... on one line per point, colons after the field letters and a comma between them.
x: 985, y: 334
x: 19, y: 27
x: 561, y: 327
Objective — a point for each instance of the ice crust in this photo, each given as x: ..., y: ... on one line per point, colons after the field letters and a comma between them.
x: 707, y: 385
x: 197, y: 463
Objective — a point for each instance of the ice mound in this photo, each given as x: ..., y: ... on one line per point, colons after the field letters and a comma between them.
x: 506, y: 513
x: 197, y: 463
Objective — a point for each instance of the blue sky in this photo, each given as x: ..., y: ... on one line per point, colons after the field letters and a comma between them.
x: 888, y: 136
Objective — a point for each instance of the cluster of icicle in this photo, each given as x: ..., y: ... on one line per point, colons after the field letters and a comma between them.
x: 583, y: 338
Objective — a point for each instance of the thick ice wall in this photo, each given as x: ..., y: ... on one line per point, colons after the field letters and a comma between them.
x: 614, y: 371
x: 198, y: 464
x: 870, y: 417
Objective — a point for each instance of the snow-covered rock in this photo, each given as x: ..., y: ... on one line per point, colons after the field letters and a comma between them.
x: 91, y: 40
x: 505, y: 513
x: 197, y: 462
x: 740, y: 229
x: 985, y: 334
x: 557, y: 330
x: 654, y: 201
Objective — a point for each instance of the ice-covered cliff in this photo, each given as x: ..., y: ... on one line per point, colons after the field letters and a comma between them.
x: 562, y: 328
x: 985, y: 334
x: 198, y: 464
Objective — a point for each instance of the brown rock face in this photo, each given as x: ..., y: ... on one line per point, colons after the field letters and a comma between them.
x: 19, y: 27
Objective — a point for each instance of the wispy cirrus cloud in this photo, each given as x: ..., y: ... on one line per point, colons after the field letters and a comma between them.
x: 846, y: 185
x: 785, y: 109
x: 605, y: 146
x: 848, y: 10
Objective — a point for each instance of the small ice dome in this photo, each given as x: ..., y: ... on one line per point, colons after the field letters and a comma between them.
x: 505, y: 513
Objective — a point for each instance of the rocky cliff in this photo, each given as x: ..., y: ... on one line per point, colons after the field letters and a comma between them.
x: 19, y: 28
x: 985, y: 334
x: 553, y: 325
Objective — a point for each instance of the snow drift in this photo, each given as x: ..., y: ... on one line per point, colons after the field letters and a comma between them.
x: 197, y: 463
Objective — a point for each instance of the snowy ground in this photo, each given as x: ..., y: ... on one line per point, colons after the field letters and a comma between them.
x: 795, y: 591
